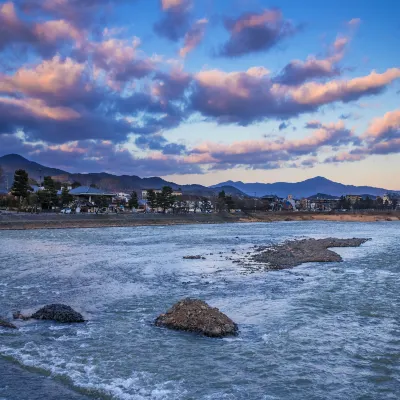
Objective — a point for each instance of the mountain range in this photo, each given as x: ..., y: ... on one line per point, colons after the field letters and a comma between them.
x: 306, y: 188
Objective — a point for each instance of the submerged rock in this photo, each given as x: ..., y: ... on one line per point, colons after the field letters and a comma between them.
x: 59, y: 313
x: 194, y: 258
x: 296, y: 252
x: 6, y: 324
x: 194, y: 315
x: 18, y: 315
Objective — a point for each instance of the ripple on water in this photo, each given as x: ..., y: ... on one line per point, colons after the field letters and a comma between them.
x: 317, y: 331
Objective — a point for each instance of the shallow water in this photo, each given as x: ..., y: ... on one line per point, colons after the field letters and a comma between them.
x: 318, y: 331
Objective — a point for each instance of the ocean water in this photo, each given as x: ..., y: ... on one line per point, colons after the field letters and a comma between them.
x: 317, y: 331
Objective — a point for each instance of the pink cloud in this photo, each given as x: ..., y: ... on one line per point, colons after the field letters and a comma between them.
x: 193, y: 37
x: 245, y: 97
x: 384, y: 126
x: 39, y: 109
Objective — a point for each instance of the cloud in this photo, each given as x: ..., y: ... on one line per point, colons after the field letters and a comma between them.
x: 313, y: 125
x: 193, y: 37
x: 382, y: 137
x: 297, y: 72
x: 283, y: 125
x: 120, y: 60
x: 174, y: 22
x: 79, y: 12
x: 279, y: 152
x: 45, y: 37
x: 158, y: 142
x: 255, y: 32
x: 384, y: 128
x: 247, y: 97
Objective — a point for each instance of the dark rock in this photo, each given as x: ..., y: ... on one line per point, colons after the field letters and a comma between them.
x: 194, y: 315
x: 6, y: 324
x: 296, y: 252
x: 18, y: 315
x: 59, y: 313
x: 194, y: 258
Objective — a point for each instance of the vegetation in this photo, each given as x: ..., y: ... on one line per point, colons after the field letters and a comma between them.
x: 152, y: 199
x: 2, y: 176
x: 21, y: 187
x: 75, y: 184
x: 165, y: 199
x: 66, y: 198
x: 133, y: 201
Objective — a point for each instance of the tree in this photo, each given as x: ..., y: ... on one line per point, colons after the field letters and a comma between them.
x: 20, y: 187
x: 221, y: 201
x: 230, y: 204
x: 93, y: 185
x: 152, y: 199
x: 50, y: 188
x: 395, y: 201
x: 165, y: 199
x: 205, y: 205
x: 102, y: 201
x: 133, y: 201
x: 2, y: 176
x: 75, y: 184
x: 66, y: 198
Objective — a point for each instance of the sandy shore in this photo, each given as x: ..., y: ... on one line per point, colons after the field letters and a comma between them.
x: 58, y: 221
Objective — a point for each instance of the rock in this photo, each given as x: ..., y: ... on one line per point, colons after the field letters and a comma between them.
x: 59, y: 313
x: 194, y: 315
x: 18, y: 315
x: 6, y: 324
x: 194, y: 258
x: 296, y: 252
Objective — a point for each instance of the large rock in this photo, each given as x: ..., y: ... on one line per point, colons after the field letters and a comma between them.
x: 6, y: 324
x: 59, y: 313
x: 197, y: 316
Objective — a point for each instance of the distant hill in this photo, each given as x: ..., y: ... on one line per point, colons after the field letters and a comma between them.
x: 12, y: 162
x: 305, y: 188
x: 104, y: 180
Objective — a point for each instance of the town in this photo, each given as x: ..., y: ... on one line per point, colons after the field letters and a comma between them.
x: 51, y: 195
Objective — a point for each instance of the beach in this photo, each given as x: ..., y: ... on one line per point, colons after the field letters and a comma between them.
x: 22, y: 221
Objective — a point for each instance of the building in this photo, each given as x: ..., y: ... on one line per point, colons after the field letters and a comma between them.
x: 353, y: 198
x: 145, y: 192
x: 87, y: 196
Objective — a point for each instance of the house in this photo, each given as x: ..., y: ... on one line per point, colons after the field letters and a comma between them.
x: 145, y: 192
x: 353, y: 198
x: 88, y: 196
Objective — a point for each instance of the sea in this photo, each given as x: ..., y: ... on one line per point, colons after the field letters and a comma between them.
x: 317, y: 331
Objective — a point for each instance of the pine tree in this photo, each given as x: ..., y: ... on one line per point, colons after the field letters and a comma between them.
x: 152, y: 199
x: 50, y: 188
x: 66, y: 198
x: 165, y: 199
x: 133, y: 201
x: 20, y: 187
x: 2, y: 176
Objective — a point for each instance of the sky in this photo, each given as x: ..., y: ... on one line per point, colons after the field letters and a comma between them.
x: 204, y: 91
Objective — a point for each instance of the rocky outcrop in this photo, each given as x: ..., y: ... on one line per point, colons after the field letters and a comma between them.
x: 296, y: 252
x: 59, y: 313
x: 6, y: 324
x: 197, y: 316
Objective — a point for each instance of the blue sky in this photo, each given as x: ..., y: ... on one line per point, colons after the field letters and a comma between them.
x: 204, y: 91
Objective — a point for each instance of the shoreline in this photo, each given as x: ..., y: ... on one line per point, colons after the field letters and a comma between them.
x: 22, y: 221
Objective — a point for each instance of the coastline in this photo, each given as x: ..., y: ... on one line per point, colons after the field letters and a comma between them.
x: 22, y: 221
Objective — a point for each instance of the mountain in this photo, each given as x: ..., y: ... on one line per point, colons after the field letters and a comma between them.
x: 104, y: 180
x: 12, y: 162
x: 305, y: 188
